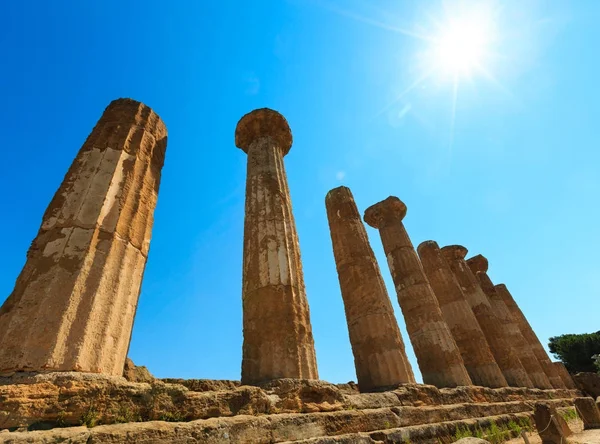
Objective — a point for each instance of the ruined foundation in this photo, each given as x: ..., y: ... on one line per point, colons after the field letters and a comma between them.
x: 74, y: 302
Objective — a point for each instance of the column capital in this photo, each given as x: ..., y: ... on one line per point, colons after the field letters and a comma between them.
x: 478, y: 263
x: 501, y: 287
x: 454, y: 252
x: 389, y: 210
x: 428, y: 245
x: 260, y: 123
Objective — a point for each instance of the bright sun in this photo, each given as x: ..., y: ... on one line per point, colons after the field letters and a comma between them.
x: 461, y: 45
x: 461, y: 48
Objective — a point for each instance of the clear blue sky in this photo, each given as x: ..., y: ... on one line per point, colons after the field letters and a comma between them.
x: 515, y: 175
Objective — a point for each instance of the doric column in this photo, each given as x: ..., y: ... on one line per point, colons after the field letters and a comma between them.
x: 530, y: 337
x: 379, y: 354
x: 465, y: 329
x: 564, y: 374
x: 74, y: 302
x: 506, y: 357
x: 437, y: 353
x: 278, y: 340
x: 479, y: 266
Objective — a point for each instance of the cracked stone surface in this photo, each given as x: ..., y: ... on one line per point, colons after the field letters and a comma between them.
x: 278, y: 339
x: 73, y: 304
x: 506, y: 357
x: 439, y: 358
x: 477, y: 356
x: 377, y: 346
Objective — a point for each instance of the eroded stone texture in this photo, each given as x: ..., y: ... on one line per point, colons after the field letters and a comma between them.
x: 588, y: 411
x: 479, y: 266
x: 564, y: 374
x: 438, y: 356
x: 506, y: 357
x: 465, y: 329
x: 536, y: 346
x: 74, y: 302
x: 379, y: 354
x: 550, y: 425
x: 278, y: 340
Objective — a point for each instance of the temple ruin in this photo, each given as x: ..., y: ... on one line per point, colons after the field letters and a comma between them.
x: 74, y: 302
x: 66, y: 327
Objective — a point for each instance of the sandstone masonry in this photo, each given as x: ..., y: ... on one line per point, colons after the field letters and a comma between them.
x: 438, y: 356
x: 501, y: 348
x: 278, y: 340
x: 467, y: 333
x: 379, y: 354
x: 74, y: 302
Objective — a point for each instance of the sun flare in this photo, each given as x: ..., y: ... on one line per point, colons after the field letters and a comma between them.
x: 462, y: 43
x: 461, y: 47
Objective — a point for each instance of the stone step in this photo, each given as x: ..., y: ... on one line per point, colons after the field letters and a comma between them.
x: 383, y: 424
x: 432, y: 433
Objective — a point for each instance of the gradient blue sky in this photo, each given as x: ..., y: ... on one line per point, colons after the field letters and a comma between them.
x: 514, y: 176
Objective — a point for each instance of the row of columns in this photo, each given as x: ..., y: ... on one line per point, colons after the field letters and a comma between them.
x: 460, y: 326
x: 74, y: 303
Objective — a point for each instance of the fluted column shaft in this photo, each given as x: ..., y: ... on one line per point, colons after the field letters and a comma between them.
x: 477, y: 356
x: 511, y: 330
x: 506, y: 357
x: 531, y: 338
x: 438, y: 356
x: 379, y: 354
x: 278, y: 340
x: 75, y: 300
x: 564, y: 374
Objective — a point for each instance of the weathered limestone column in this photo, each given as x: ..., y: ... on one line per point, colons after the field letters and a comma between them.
x: 506, y: 357
x: 530, y: 337
x: 278, y: 340
x: 479, y: 266
x: 589, y: 413
x: 379, y: 354
x: 564, y: 374
x: 465, y: 329
x: 437, y: 353
x: 74, y: 302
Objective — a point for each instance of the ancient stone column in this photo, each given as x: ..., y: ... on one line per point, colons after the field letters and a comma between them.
x: 479, y: 266
x: 278, y: 340
x: 379, y: 354
x: 465, y: 329
x: 74, y: 302
x: 564, y: 374
x: 530, y: 336
x: 501, y: 348
x: 437, y: 353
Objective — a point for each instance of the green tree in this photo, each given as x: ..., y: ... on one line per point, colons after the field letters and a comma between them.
x: 576, y: 351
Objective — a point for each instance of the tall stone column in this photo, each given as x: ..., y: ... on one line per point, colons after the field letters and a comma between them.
x: 479, y: 266
x: 437, y: 353
x: 501, y: 348
x: 278, y: 340
x: 530, y: 336
x: 477, y: 356
x: 74, y: 302
x: 379, y: 354
x: 564, y: 374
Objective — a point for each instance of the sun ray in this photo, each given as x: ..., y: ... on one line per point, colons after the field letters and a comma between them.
x: 376, y: 23
x: 404, y: 92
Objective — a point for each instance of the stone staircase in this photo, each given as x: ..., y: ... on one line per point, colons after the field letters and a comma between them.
x: 282, y: 411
